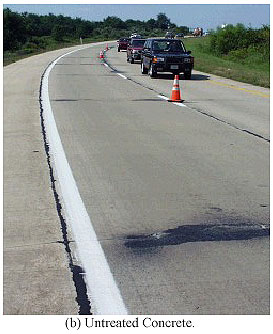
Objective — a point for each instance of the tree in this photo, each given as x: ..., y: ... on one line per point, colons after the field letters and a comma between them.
x: 14, y: 30
x: 182, y: 29
x: 162, y: 21
x: 58, y: 32
x: 114, y: 22
x: 151, y: 24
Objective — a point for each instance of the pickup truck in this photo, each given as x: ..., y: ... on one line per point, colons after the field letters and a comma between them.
x: 166, y: 55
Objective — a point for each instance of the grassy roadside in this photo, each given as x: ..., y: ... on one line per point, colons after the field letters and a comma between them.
x: 248, y: 71
x: 10, y: 57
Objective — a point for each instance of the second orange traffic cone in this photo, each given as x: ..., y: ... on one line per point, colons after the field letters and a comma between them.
x: 175, y: 96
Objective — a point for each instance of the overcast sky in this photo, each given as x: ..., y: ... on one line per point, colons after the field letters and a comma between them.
x: 206, y: 16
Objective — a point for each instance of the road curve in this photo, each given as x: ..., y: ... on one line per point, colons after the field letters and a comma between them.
x: 178, y: 195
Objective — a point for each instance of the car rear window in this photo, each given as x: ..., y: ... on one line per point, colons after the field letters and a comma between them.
x: 138, y: 43
x: 123, y: 39
x: 168, y: 46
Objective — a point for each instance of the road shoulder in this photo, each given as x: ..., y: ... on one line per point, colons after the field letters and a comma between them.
x: 37, y: 276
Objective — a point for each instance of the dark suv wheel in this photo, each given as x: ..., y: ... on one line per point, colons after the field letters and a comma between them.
x: 187, y: 75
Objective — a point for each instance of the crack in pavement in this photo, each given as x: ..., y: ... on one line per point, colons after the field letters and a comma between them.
x: 77, y: 271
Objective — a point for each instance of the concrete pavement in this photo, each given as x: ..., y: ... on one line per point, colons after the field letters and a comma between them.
x: 145, y: 168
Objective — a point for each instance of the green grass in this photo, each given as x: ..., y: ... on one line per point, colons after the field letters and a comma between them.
x: 246, y: 67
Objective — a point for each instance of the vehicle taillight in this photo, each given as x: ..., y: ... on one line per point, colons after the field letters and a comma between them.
x: 154, y: 60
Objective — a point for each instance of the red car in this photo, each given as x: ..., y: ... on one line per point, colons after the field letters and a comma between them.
x: 123, y: 43
x: 134, y: 50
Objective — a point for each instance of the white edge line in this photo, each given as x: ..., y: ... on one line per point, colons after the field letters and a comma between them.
x: 103, y: 292
x: 177, y: 103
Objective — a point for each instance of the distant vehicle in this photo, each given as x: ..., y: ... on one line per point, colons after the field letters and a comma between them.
x: 122, y: 44
x: 169, y: 35
x: 179, y: 35
x: 207, y: 33
x: 136, y: 36
x: 134, y: 50
x: 166, y: 55
x: 198, y: 32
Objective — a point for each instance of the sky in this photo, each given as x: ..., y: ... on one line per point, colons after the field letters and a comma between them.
x: 207, y: 16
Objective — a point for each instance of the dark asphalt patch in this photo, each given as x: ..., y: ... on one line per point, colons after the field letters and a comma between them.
x: 198, y: 233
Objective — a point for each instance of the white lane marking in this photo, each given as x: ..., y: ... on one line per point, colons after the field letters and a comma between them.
x: 103, y: 292
x: 177, y: 103
x: 123, y: 76
x: 180, y: 104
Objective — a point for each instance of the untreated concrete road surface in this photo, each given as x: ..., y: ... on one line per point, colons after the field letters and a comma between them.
x: 178, y: 195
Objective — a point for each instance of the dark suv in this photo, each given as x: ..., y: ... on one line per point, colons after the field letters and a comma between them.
x: 134, y: 50
x: 123, y: 43
x: 166, y: 55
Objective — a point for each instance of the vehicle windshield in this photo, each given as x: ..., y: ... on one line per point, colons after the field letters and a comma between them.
x: 138, y: 43
x: 123, y: 39
x: 168, y: 46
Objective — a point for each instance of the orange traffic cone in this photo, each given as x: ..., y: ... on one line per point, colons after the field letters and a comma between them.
x: 175, y: 97
x: 101, y: 55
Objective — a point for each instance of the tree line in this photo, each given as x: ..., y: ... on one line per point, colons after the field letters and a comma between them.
x: 28, y: 30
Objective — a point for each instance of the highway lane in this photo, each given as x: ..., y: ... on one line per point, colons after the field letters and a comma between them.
x: 241, y: 105
x: 153, y: 175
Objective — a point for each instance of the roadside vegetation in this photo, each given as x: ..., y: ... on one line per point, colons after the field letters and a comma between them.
x: 236, y: 52
x: 26, y: 34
